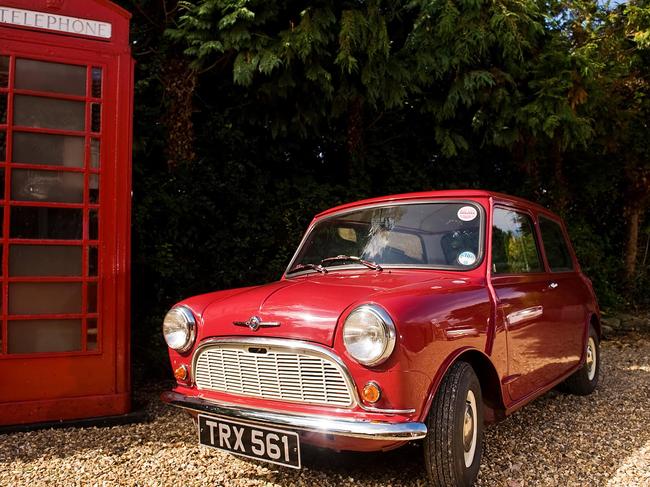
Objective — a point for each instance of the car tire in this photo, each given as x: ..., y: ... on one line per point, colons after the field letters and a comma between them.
x: 585, y: 380
x: 454, y: 442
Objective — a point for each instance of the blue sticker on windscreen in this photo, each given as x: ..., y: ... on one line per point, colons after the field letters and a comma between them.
x: 466, y: 258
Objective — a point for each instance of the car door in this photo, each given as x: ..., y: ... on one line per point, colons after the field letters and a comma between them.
x: 520, y: 283
x: 564, y: 299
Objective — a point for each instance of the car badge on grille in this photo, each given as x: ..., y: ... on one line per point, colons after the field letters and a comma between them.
x: 255, y: 323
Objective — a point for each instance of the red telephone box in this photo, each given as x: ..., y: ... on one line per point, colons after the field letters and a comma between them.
x: 65, y: 174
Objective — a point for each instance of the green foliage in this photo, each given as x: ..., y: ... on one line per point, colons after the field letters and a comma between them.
x: 441, y: 57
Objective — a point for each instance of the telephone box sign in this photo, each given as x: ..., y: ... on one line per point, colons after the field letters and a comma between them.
x: 54, y: 22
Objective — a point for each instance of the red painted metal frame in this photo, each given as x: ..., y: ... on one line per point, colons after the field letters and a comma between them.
x: 69, y: 385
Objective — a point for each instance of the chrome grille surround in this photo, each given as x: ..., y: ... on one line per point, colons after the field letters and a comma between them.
x: 283, y: 370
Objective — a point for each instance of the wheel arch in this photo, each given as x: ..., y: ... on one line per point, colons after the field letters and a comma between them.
x: 594, y: 321
x: 488, y: 377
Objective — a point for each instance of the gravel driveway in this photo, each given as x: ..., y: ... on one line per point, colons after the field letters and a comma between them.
x: 557, y: 440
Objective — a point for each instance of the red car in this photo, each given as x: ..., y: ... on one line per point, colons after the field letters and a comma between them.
x: 418, y: 316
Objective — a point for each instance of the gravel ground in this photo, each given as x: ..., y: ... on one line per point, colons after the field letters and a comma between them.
x: 599, y: 440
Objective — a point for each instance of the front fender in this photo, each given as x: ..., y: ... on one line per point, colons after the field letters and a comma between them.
x: 491, y: 388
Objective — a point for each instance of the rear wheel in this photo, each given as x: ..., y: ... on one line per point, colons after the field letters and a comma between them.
x: 585, y: 380
x: 453, y: 445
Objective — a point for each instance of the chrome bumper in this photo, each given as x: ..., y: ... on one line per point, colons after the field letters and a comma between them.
x: 367, y: 430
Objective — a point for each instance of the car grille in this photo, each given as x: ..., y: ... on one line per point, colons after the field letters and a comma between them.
x: 272, y: 373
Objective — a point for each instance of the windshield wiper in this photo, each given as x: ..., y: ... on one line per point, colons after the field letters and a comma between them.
x: 367, y: 263
x: 302, y: 267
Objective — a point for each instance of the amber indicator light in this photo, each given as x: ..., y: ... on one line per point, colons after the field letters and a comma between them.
x: 181, y: 373
x: 371, y: 392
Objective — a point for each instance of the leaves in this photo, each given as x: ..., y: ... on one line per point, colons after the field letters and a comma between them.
x: 244, y: 68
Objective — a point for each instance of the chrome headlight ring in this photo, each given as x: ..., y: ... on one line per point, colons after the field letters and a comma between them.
x: 179, y: 328
x: 369, y: 335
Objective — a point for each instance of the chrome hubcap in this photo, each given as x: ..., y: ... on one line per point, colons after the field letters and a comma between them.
x: 591, y: 359
x: 469, y: 429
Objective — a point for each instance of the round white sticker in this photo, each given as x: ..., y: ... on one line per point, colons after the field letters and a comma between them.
x: 467, y: 213
x: 466, y: 258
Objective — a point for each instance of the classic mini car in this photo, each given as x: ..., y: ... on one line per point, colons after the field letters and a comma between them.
x: 419, y: 316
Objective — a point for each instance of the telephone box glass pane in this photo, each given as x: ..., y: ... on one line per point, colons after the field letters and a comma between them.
x: 45, y: 260
x: 51, y: 77
x: 94, y: 153
x: 46, y: 223
x: 32, y: 336
x: 3, y: 146
x: 32, y: 185
x: 93, y: 261
x: 92, y: 297
x: 55, y: 150
x: 93, y: 188
x: 91, y: 334
x: 4, y: 71
x: 3, y: 108
x: 93, y: 225
x: 97, y: 82
x: 95, y: 117
x: 35, y: 111
x: 34, y: 298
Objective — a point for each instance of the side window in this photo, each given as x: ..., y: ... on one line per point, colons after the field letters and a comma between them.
x: 557, y: 250
x: 514, y: 248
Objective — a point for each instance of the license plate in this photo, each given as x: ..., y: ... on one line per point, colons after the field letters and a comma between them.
x: 250, y: 440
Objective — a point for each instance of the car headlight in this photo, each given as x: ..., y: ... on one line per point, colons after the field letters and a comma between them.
x: 369, y: 334
x: 179, y: 328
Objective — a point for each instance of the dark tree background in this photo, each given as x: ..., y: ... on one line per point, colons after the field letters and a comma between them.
x: 253, y: 115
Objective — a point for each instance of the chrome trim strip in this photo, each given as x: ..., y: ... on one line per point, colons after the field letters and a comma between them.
x: 371, y: 409
x: 296, y: 346
x: 364, y: 429
x: 455, y: 333
x: 525, y: 314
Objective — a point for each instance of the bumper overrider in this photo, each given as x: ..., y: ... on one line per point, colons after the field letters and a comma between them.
x: 326, y: 425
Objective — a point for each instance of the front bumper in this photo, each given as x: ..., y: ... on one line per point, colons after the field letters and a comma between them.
x: 327, y: 425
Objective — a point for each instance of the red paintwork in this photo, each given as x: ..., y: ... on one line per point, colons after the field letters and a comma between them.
x: 440, y: 316
x: 59, y: 386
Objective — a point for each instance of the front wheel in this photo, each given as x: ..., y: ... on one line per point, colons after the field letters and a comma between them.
x: 453, y: 445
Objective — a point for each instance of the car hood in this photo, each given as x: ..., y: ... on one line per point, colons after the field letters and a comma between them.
x: 307, y: 307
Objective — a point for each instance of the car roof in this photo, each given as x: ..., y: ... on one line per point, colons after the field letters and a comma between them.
x: 449, y: 193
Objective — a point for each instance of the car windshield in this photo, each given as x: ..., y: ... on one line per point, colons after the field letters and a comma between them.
x: 445, y: 235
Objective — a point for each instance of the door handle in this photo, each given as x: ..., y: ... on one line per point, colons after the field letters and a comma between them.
x: 553, y: 285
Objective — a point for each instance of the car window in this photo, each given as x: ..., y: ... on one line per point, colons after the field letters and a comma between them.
x: 437, y: 234
x: 514, y: 248
x: 555, y: 246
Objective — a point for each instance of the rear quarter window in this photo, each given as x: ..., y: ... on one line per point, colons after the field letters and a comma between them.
x: 555, y: 246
